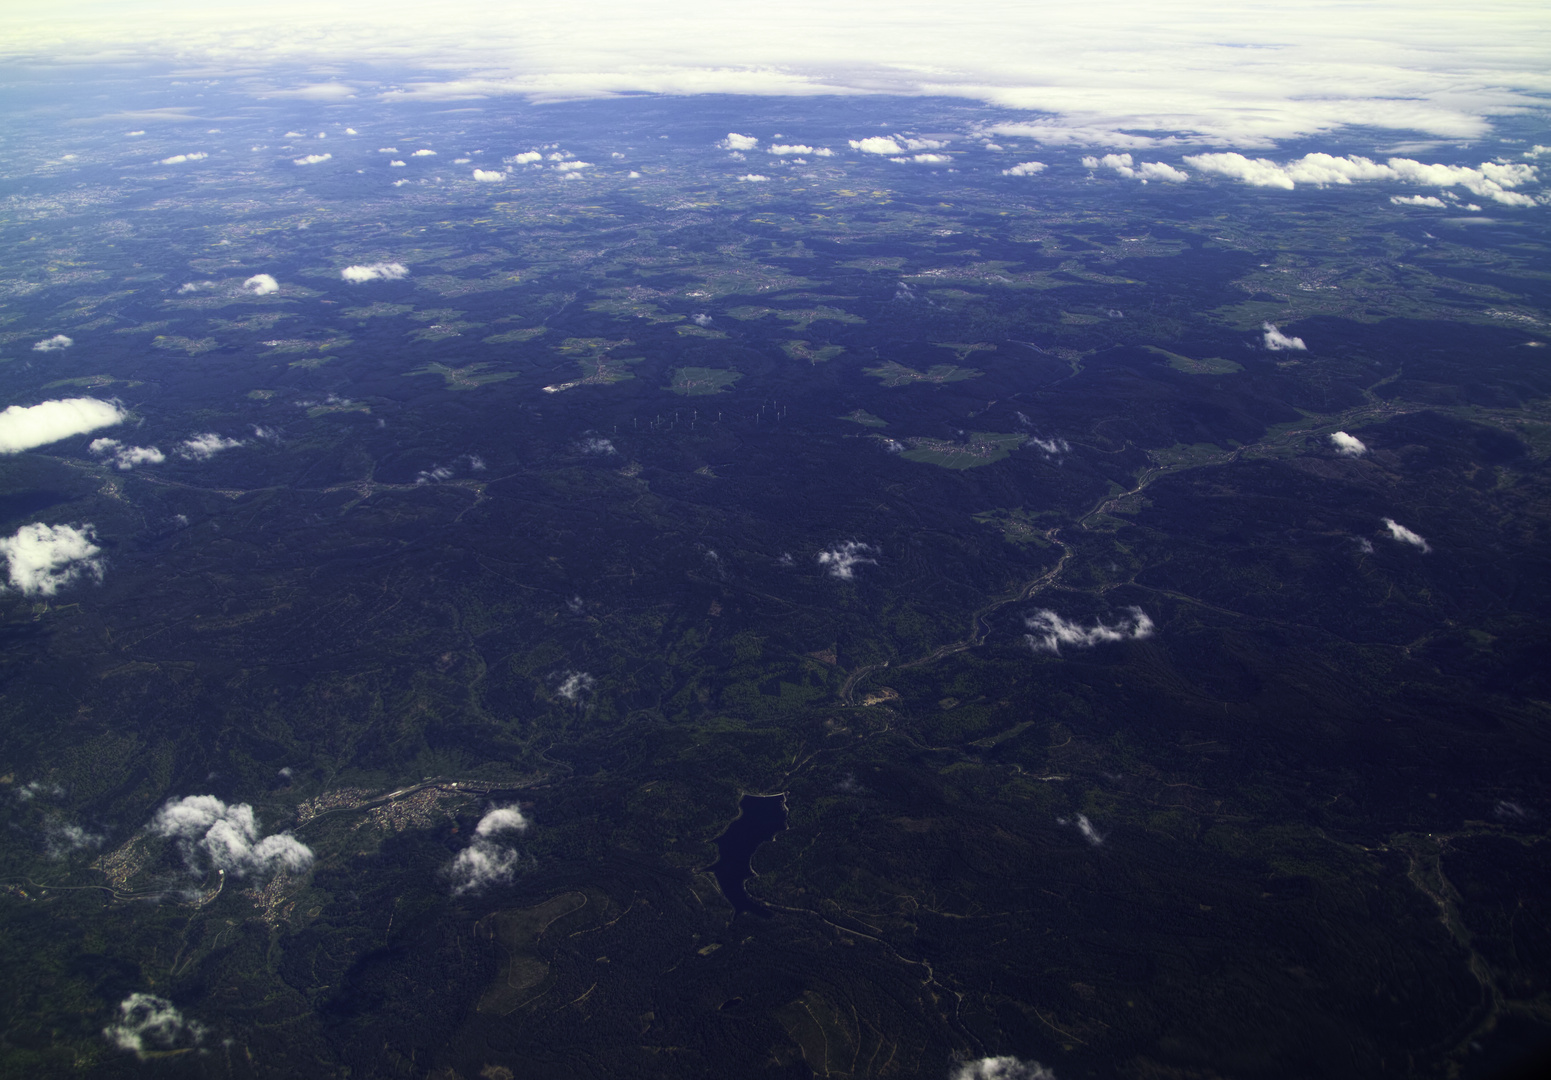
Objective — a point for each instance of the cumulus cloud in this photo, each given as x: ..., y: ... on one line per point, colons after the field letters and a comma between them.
x: 195, y: 286
x: 1051, y: 448
x: 205, y: 446
x: 1418, y: 200
x: 734, y: 141
x: 423, y: 153
x: 126, y: 457
x: 700, y: 319
x: 926, y: 159
x: 23, y: 427
x: 1049, y: 631
x: 1025, y: 168
x: 311, y: 159
x: 1399, y: 532
x: 842, y: 560
x: 434, y: 475
x: 785, y: 149
x: 598, y: 446
x: 1089, y: 833
x: 754, y: 178
x: 1277, y: 341
x: 877, y: 144
x: 485, y: 862
x: 396, y: 164
x: 1347, y: 445
x: 576, y: 685
x: 924, y: 144
x: 1125, y: 166
x: 261, y: 285
x: 489, y: 176
x: 1489, y: 180
x: 573, y: 166
x: 526, y: 157
x: 42, y: 559
x: 53, y: 344
x: 1000, y: 1068
x: 179, y: 159
x: 382, y: 271
x: 212, y: 834
x: 147, y: 1022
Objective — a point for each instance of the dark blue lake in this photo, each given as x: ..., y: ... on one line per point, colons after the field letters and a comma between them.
x: 759, y: 818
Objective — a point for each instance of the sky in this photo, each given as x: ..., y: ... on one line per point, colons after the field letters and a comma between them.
x: 1113, y: 73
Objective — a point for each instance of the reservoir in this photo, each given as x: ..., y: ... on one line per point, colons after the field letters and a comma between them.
x: 759, y: 818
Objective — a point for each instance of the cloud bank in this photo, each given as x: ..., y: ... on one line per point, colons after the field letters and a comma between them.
x: 1490, y: 180
x: 24, y: 427
x: 215, y: 835
x: 486, y: 862
x: 42, y: 559
x: 1220, y: 72
x: 1049, y: 631
x: 383, y: 271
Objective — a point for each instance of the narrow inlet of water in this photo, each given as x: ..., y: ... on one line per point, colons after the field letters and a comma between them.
x: 759, y: 818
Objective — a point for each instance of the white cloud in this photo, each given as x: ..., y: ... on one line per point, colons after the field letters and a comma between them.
x: 929, y: 159
x: 1488, y: 180
x: 924, y: 144
x: 1399, y: 532
x: 485, y: 862
x: 791, y: 148
x: 877, y: 144
x: 383, y: 271
x: 179, y: 159
x: 53, y: 344
x: 598, y: 446
x: 423, y: 153
x: 195, y: 286
x: 526, y: 157
x: 396, y: 164
x: 351, y: 131
x: 488, y: 176
x: 127, y: 457
x: 754, y: 178
x: 700, y: 319
x: 146, y: 1018
x: 1222, y: 73
x: 62, y: 837
x: 1089, y: 833
x: 734, y: 141
x: 1277, y: 341
x: 212, y: 834
x: 434, y: 475
x: 1125, y: 166
x: 1049, y: 631
x: 1000, y: 1068
x: 41, y: 559
x: 1347, y: 445
x: 311, y: 159
x: 387, y: 149
x: 501, y: 819
x: 23, y: 427
x: 573, y: 166
x: 1418, y: 200
x: 1025, y: 168
x: 576, y: 685
x: 1051, y: 448
x: 261, y: 285
x: 205, y: 446
x: 843, y: 559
